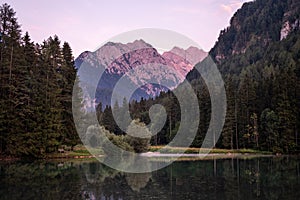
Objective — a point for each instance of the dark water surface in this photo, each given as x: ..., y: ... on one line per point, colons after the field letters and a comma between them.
x: 256, y: 178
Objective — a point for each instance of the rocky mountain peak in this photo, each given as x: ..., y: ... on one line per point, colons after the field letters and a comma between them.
x: 184, y: 60
x: 135, y: 58
x: 120, y: 59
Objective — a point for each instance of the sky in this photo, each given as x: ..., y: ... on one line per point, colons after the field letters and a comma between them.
x: 89, y: 23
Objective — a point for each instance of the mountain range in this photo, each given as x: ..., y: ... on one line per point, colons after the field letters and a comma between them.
x: 146, y: 69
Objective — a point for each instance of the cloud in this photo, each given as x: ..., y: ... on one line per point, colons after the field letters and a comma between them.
x: 231, y: 7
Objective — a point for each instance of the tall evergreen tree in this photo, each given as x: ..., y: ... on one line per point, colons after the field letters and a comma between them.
x: 10, y: 78
x: 68, y: 76
x: 229, y: 126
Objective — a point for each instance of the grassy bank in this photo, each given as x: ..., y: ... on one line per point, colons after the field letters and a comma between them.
x: 192, y: 150
x: 80, y: 152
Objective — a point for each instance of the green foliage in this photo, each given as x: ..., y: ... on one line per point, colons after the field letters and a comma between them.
x: 35, y: 92
x: 261, y: 74
x: 269, y: 130
x: 262, y: 101
x: 229, y: 127
x: 257, y: 23
x: 138, y: 136
x: 138, y: 141
x: 120, y: 141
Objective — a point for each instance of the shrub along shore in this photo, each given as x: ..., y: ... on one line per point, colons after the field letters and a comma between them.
x: 80, y: 152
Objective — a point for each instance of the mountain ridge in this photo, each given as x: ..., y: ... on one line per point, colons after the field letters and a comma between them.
x: 257, y: 23
x: 117, y: 59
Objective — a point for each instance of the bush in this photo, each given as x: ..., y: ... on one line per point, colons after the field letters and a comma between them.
x: 138, y: 136
x: 137, y: 140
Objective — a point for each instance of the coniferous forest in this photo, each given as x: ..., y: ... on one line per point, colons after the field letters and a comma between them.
x: 261, y: 73
x: 36, y: 91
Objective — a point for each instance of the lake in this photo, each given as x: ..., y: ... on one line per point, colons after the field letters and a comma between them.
x: 255, y: 178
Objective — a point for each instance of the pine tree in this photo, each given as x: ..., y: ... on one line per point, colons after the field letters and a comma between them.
x: 11, y: 126
x: 229, y: 126
x: 247, y: 97
x: 52, y: 104
x: 36, y: 85
x: 269, y: 138
x: 29, y: 143
x: 108, y: 119
x: 68, y: 76
x: 286, y: 114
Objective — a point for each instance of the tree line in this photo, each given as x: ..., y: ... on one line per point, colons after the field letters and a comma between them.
x: 262, y: 102
x: 261, y: 82
x: 261, y: 72
x: 36, y: 84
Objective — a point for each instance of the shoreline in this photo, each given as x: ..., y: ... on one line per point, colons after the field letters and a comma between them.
x: 155, y: 156
x: 158, y: 152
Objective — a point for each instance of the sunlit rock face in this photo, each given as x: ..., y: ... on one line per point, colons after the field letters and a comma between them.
x: 142, y: 64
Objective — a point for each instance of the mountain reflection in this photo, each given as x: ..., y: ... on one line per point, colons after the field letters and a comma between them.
x: 258, y: 178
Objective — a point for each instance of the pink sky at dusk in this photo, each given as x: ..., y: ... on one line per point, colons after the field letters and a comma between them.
x: 87, y: 24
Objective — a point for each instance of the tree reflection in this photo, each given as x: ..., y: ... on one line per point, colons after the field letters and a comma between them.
x: 259, y: 178
x: 138, y: 181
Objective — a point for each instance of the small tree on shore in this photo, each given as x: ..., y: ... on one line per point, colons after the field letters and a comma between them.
x: 138, y: 136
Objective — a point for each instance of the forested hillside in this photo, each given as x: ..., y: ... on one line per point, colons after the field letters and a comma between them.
x: 36, y: 84
x: 258, y: 56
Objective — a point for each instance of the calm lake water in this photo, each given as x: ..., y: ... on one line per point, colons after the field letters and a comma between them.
x: 256, y: 178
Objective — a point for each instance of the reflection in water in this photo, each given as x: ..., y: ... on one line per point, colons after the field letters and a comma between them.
x: 259, y: 178
x: 138, y: 181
